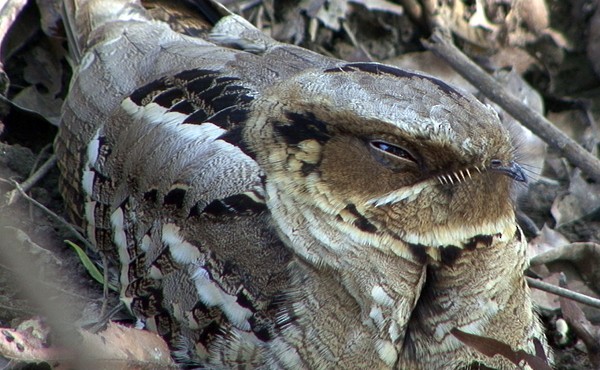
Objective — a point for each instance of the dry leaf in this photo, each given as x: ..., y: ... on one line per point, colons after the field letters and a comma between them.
x: 588, y: 333
x: 121, y: 347
x: 9, y: 10
x: 491, y: 347
x: 44, y: 72
x: 575, y: 124
x: 547, y: 240
x: 26, y: 345
x: 584, y: 256
x: 32, y: 248
x: 116, y: 348
x: 329, y: 12
x: 582, y: 199
x: 533, y: 14
x: 551, y: 303
x: 380, y: 5
x: 50, y: 16
x: 479, y: 18
x: 515, y: 58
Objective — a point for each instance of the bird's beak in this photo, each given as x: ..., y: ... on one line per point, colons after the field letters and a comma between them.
x: 513, y: 170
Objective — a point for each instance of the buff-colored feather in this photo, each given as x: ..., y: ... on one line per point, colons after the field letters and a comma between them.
x: 273, y: 208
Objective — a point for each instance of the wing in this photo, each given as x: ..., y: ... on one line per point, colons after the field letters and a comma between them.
x: 159, y: 150
x: 154, y: 169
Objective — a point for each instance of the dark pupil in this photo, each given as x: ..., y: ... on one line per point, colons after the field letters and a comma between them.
x: 398, y: 152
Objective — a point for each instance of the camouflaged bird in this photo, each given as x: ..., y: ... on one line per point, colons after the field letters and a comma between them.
x: 273, y: 208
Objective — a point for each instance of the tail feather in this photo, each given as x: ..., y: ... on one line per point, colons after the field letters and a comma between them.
x: 190, y: 17
x: 82, y: 17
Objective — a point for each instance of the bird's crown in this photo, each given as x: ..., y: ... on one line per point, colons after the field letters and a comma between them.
x: 386, y: 152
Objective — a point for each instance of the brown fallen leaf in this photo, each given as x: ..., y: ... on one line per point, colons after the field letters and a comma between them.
x: 547, y: 240
x: 330, y: 13
x: 121, y: 347
x: 582, y: 199
x: 581, y: 326
x: 491, y: 347
x: 24, y: 345
x: 116, y: 348
x: 585, y: 257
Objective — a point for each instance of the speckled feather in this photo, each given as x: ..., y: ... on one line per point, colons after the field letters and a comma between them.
x: 273, y: 208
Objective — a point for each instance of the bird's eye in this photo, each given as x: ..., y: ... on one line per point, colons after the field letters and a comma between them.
x: 391, y: 149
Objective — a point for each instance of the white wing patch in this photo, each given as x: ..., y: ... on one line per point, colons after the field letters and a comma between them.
x: 386, y: 351
x: 87, y: 184
x: 93, y: 149
x: 156, y: 114
x: 212, y: 295
x: 120, y: 240
x: 90, y: 207
x: 209, y: 292
x: 377, y: 316
x: 118, y: 226
x: 181, y: 251
x: 381, y: 297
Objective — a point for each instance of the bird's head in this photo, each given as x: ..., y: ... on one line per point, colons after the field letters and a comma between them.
x: 382, y: 151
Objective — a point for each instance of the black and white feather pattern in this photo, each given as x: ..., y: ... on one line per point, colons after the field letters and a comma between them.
x: 234, y: 182
x: 164, y: 182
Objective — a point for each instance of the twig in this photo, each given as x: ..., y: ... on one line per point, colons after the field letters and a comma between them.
x: 26, y: 185
x: 38, y: 158
x: 52, y: 215
x: 33, y: 170
x: 580, y: 325
x: 355, y: 42
x: 494, y: 91
x: 569, y: 252
x: 562, y: 292
x: 101, y: 323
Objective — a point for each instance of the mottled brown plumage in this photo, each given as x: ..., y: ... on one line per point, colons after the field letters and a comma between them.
x: 273, y: 208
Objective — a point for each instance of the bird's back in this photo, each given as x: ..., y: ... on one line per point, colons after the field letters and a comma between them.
x: 152, y: 169
x: 222, y: 172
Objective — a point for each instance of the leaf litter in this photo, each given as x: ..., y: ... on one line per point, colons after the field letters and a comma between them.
x: 545, y: 51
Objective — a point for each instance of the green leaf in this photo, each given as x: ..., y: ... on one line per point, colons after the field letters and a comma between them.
x: 89, y: 265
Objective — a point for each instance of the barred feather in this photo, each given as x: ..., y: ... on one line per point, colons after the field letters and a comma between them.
x: 273, y: 208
